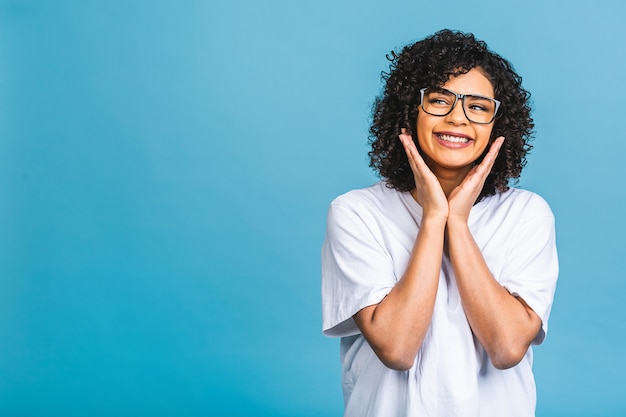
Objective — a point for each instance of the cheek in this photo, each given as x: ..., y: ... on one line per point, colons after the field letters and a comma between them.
x: 485, y: 134
x: 421, y: 127
x: 485, y: 141
x: 418, y: 123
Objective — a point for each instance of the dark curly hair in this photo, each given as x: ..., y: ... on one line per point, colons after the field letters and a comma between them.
x: 430, y: 63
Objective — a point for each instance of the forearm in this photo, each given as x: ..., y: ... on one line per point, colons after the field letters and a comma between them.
x: 395, y: 328
x: 503, y: 324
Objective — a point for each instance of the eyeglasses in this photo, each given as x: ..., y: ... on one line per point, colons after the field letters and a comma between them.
x: 477, y: 109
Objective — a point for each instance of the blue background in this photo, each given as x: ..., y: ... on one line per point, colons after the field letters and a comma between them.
x: 165, y: 169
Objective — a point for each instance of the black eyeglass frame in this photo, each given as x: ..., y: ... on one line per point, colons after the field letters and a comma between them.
x: 461, y: 97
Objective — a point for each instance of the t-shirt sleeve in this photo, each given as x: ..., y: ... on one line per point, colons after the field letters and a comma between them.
x: 356, y: 269
x: 532, y: 268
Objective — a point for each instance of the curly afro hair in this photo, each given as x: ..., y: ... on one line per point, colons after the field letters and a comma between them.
x: 431, y: 63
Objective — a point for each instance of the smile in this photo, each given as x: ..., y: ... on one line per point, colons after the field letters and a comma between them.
x: 453, y: 139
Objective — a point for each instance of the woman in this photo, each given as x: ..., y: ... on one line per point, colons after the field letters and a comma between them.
x: 439, y: 278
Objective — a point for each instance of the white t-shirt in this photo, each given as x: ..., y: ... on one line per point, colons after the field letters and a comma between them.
x: 370, y: 236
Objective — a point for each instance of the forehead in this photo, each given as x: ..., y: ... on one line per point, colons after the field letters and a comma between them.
x: 472, y: 82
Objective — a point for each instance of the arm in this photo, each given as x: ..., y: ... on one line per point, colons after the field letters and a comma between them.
x: 395, y: 327
x: 504, y: 324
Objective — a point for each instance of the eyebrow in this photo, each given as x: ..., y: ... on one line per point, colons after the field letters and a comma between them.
x: 479, y: 96
x: 439, y: 90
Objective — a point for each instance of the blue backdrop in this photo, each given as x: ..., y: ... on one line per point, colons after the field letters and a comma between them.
x: 165, y: 169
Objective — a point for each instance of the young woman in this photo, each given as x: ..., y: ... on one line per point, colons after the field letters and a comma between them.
x: 439, y: 278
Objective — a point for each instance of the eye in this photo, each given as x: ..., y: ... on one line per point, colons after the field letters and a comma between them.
x: 478, y: 104
x: 439, y: 100
x: 477, y: 108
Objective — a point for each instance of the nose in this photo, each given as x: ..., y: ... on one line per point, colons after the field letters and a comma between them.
x: 457, y: 115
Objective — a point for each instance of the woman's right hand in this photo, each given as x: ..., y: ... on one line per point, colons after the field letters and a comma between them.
x: 428, y: 191
x: 395, y: 327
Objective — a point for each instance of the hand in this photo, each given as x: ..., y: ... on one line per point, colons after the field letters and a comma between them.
x: 463, y: 197
x: 428, y: 191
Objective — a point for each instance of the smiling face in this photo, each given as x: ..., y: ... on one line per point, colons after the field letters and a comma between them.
x: 452, y: 143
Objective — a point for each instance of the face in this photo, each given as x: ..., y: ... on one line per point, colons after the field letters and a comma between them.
x: 452, y: 142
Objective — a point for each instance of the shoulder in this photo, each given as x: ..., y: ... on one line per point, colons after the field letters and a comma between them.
x: 521, y: 201
x: 376, y: 208
x: 374, y: 197
x: 511, y: 210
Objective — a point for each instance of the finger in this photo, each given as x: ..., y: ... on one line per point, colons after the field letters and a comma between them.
x: 407, y: 141
x: 478, y: 174
x: 487, y: 163
x: 495, y: 148
x: 496, y: 145
x: 415, y: 158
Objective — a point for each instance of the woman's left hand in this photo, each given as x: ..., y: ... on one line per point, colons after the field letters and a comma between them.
x: 463, y: 197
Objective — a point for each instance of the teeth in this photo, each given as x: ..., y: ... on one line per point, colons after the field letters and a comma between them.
x: 454, y: 139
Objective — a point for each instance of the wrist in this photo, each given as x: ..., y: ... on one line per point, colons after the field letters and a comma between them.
x: 434, y: 220
x: 456, y: 223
